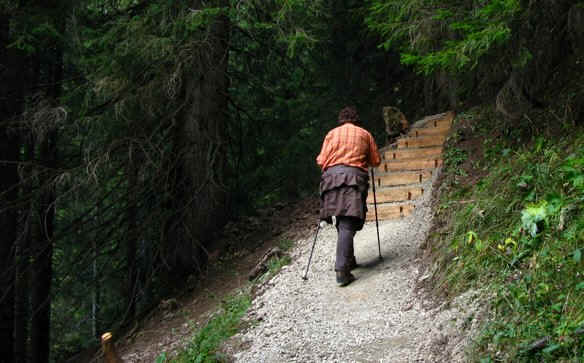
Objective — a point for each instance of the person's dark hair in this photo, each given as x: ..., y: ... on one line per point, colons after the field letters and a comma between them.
x: 348, y: 114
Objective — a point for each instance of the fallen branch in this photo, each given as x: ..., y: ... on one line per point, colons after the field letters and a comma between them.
x: 262, y: 266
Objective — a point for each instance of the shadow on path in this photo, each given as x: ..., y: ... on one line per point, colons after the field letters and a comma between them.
x: 374, y: 267
x: 371, y: 264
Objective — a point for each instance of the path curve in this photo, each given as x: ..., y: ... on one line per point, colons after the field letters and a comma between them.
x: 378, y: 318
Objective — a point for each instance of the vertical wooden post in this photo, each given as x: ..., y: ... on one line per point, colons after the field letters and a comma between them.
x: 109, y: 349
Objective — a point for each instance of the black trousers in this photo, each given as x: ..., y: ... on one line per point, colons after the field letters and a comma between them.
x: 346, y: 229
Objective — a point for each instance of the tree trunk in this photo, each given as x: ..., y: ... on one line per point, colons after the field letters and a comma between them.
x: 429, y: 95
x: 132, y: 238
x: 10, y: 106
x: 42, y: 268
x: 95, y: 297
x: 21, y: 307
x: 199, y: 145
x: 453, y: 92
x: 8, y: 181
x: 23, y: 255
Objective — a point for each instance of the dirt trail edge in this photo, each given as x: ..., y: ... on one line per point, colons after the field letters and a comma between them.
x: 381, y: 317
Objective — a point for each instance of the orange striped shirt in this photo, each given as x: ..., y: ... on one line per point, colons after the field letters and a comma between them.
x: 349, y: 145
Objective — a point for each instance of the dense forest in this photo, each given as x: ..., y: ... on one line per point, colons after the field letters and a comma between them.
x: 132, y: 131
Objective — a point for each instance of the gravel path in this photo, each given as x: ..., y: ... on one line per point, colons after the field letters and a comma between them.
x: 377, y: 318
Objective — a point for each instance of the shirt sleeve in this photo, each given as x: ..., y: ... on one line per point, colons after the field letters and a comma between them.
x: 321, y: 158
x: 374, y: 158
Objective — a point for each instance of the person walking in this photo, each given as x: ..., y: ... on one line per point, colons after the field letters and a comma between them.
x: 346, y: 153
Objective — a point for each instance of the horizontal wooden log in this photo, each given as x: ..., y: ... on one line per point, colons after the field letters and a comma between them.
x: 403, y: 178
x: 386, y: 195
x: 385, y: 212
x: 422, y: 153
x: 416, y: 164
x: 422, y: 141
x: 445, y: 118
x: 430, y: 131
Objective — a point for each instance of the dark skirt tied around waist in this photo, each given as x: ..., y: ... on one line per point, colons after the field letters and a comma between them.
x: 343, y: 192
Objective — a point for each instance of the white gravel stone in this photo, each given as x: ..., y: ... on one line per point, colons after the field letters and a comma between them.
x: 377, y: 318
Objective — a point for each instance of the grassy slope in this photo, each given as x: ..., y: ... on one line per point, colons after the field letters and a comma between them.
x: 204, y: 347
x: 510, y: 218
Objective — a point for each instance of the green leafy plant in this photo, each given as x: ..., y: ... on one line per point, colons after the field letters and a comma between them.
x: 161, y: 358
x: 285, y: 244
x: 222, y: 325
x: 573, y: 170
x: 275, y: 264
x: 532, y: 216
x: 454, y: 157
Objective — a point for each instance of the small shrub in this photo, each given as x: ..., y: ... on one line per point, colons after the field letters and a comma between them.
x: 223, y: 325
x: 275, y: 264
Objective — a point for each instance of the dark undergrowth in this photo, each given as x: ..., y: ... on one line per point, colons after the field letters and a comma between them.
x: 511, y: 222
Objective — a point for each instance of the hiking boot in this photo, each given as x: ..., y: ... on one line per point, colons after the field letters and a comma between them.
x: 353, y: 264
x: 344, y: 278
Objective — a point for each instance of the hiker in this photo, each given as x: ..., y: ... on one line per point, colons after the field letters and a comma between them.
x: 347, y: 151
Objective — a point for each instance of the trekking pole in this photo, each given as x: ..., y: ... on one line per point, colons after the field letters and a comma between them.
x: 312, y: 250
x: 375, y: 206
